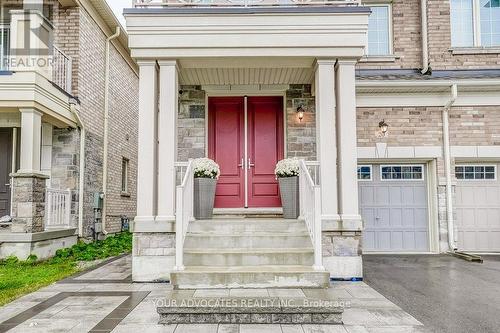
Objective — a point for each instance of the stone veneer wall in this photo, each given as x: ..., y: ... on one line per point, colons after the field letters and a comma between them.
x: 300, y: 135
x: 191, y: 123
x: 28, y: 203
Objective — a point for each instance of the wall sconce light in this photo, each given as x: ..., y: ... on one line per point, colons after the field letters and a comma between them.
x: 300, y: 113
x: 383, y: 127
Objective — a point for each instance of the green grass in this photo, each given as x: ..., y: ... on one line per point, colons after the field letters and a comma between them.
x: 18, y: 278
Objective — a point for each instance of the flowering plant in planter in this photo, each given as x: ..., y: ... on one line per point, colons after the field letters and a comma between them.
x: 206, y: 172
x: 288, y: 167
x: 205, y: 168
x: 287, y: 172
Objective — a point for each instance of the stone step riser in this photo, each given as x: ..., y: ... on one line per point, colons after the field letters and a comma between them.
x: 211, y: 280
x: 248, y: 259
x: 246, y: 241
x: 251, y: 318
x: 228, y: 227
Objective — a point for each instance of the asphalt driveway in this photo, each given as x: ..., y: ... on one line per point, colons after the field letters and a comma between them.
x: 445, y: 293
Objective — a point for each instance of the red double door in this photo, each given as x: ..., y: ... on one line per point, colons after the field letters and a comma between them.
x: 246, y: 140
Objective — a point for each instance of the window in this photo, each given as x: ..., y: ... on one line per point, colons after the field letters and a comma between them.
x: 125, y: 172
x: 364, y: 172
x: 475, y: 172
x: 4, y: 47
x: 401, y: 172
x: 379, y: 35
x: 475, y: 23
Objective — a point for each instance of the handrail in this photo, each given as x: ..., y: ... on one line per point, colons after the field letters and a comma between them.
x: 310, y: 211
x: 183, y: 214
x: 242, y: 3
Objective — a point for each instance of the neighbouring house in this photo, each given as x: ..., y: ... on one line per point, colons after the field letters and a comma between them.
x: 394, y: 106
x: 68, y: 125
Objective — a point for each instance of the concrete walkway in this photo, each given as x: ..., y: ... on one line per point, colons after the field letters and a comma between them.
x: 105, y: 300
x: 445, y: 293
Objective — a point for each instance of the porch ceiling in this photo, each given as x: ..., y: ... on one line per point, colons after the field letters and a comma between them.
x: 245, y: 76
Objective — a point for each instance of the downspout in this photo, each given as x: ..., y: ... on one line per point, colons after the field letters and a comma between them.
x: 81, y: 177
x: 425, y: 47
x: 447, y: 167
x: 106, y: 130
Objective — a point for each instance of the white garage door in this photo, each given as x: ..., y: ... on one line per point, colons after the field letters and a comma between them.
x: 393, y: 204
x: 478, y: 207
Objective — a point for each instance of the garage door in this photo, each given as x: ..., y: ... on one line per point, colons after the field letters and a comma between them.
x: 478, y: 207
x: 393, y: 204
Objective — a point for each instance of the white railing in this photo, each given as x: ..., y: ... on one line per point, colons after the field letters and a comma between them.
x: 313, y: 168
x: 310, y: 211
x: 180, y: 171
x: 183, y: 214
x: 62, y: 65
x: 57, y: 209
x: 242, y: 3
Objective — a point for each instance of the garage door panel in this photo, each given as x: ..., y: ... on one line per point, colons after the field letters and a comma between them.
x: 367, y: 195
x: 478, y: 214
x: 409, y: 218
x: 400, y: 222
x: 396, y: 217
x: 382, y: 195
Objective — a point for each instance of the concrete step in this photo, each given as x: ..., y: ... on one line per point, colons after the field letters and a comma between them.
x: 241, y: 225
x: 247, y: 240
x: 283, y: 276
x: 248, y: 257
x: 249, y: 311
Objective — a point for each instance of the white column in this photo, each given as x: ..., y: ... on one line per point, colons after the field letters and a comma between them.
x: 31, y: 134
x: 167, y: 139
x: 326, y: 140
x: 347, y: 145
x: 147, y: 143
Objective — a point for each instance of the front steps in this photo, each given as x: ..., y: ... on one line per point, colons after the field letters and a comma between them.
x: 248, y: 252
x: 250, y: 311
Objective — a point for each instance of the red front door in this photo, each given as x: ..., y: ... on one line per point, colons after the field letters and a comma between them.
x: 247, y: 145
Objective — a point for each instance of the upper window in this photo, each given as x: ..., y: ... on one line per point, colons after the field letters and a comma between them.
x: 475, y: 23
x: 401, y: 172
x: 379, y: 31
x: 475, y: 172
x: 4, y: 47
x: 125, y: 173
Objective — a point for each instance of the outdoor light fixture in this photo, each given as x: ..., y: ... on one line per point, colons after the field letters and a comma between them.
x: 300, y: 113
x: 383, y: 127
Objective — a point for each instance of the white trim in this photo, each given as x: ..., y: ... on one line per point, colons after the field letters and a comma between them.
x: 371, y: 172
x: 402, y: 179
x: 476, y: 179
x: 246, y: 159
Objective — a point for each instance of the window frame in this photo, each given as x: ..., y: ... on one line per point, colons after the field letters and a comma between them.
x: 5, y: 55
x: 402, y: 179
x: 476, y: 28
x: 125, y: 175
x: 390, y: 28
x: 365, y: 166
x: 476, y: 179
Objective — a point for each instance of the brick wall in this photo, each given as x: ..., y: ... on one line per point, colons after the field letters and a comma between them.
x: 440, y: 43
x: 408, y: 126
x: 407, y: 45
x: 471, y: 126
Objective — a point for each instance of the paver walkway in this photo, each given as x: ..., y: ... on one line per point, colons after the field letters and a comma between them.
x: 105, y: 300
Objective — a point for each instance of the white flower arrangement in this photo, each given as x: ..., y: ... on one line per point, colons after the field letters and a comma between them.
x: 288, y: 167
x: 205, y: 168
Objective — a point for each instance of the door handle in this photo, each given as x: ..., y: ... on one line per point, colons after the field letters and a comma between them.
x: 250, y: 164
x: 242, y: 165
